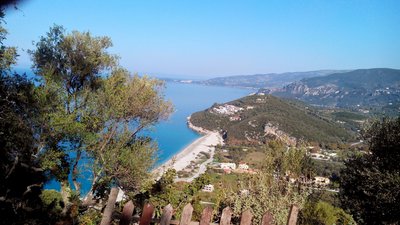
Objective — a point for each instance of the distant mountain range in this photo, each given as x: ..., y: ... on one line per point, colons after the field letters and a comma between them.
x: 364, y: 88
x: 271, y: 80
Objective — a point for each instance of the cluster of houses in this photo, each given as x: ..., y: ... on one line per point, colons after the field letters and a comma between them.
x: 230, y: 110
x: 240, y: 168
x: 321, y: 155
x: 227, y: 109
x: 317, y: 182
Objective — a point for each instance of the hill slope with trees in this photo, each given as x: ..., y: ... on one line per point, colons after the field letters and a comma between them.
x: 264, y: 117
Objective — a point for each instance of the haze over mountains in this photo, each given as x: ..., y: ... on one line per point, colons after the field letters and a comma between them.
x: 365, y: 88
x: 270, y: 80
x: 376, y: 90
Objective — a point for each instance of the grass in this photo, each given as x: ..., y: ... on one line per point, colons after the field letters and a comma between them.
x: 255, y: 159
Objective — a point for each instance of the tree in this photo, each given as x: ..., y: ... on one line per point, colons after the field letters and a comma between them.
x: 123, y: 107
x: 94, y: 108
x: 69, y: 66
x: 369, y: 185
x: 323, y: 213
x: 21, y: 178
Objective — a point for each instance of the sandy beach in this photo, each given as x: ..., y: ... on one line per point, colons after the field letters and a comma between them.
x: 205, y: 143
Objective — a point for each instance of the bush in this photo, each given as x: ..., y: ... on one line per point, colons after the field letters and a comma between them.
x: 52, y: 201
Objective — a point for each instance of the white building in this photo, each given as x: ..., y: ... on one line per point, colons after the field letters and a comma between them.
x: 322, y: 181
x: 227, y: 109
x: 231, y: 166
x: 235, y: 118
x: 243, y: 166
x: 244, y: 192
x: 250, y: 107
x: 208, y: 188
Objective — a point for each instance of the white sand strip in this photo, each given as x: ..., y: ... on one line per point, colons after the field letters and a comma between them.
x: 205, y: 143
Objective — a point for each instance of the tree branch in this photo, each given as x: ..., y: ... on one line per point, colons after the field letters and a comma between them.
x: 29, y: 188
x: 13, y: 167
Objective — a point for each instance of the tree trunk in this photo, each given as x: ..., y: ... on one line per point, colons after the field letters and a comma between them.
x: 75, y: 172
x: 65, y: 194
x: 107, y: 214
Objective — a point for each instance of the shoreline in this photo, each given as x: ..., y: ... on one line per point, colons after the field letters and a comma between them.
x: 185, y: 156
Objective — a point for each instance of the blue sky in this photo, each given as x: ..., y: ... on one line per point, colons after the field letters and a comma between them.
x: 216, y: 37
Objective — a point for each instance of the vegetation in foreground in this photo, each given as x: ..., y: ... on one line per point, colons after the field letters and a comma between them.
x: 73, y: 114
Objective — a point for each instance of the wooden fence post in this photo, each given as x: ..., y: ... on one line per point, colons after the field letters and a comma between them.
x: 186, y: 215
x: 166, y: 215
x: 226, y: 216
x: 127, y: 212
x: 292, y: 218
x: 246, y: 217
x: 206, y: 216
x: 267, y: 219
x: 147, y: 213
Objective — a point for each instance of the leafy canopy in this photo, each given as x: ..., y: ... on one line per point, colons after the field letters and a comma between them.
x: 370, y: 183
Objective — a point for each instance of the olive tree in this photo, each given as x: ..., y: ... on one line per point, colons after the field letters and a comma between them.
x: 94, y: 108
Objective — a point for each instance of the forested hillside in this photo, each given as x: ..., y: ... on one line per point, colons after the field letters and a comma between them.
x: 260, y: 118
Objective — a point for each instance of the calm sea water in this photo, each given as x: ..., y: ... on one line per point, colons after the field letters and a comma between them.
x: 173, y: 135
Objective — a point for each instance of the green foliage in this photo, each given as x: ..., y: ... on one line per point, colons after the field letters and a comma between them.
x: 301, y: 122
x: 269, y: 189
x: 369, y: 183
x: 123, y: 106
x: 327, y: 168
x: 21, y: 179
x: 323, y: 213
x: 165, y: 191
x: 92, y: 115
x: 52, y: 201
x: 90, y: 217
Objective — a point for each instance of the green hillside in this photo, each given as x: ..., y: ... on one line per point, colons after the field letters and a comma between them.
x: 283, y: 119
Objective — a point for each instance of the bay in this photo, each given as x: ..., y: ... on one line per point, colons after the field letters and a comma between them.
x: 173, y: 135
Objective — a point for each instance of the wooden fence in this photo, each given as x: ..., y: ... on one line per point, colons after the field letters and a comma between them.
x: 186, y: 218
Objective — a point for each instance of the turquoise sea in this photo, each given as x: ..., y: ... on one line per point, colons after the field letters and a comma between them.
x: 173, y: 134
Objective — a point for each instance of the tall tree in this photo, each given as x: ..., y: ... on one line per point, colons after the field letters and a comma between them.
x: 369, y: 185
x: 69, y: 66
x: 123, y: 107
x: 97, y: 109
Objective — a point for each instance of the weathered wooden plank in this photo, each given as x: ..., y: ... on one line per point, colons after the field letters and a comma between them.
x: 226, y: 216
x: 246, y: 217
x: 206, y: 216
x: 127, y: 212
x: 147, y: 213
x: 186, y: 215
x: 166, y: 215
x: 292, y: 218
x: 267, y: 219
